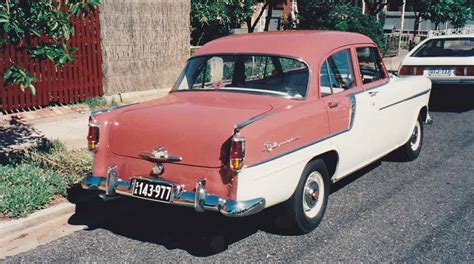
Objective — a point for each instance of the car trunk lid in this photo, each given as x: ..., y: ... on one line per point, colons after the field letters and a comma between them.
x: 195, y: 129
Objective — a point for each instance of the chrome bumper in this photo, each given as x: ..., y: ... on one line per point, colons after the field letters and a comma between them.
x: 200, y: 199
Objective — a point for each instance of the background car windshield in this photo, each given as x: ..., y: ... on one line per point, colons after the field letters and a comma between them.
x: 246, y: 73
x: 452, y: 47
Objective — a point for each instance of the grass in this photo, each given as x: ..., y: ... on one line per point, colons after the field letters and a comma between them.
x: 99, y: 102
x: 40, y: 173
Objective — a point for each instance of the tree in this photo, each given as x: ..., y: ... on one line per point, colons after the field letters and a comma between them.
x: 419, y: 8
x: 374, y: 7
x: 458, y: 12
x: 268, y: 5
x: 45, y: 22
x: 211, y: 19
x: 339, y: 16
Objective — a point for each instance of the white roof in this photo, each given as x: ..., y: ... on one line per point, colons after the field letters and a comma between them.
x: 453, y: 36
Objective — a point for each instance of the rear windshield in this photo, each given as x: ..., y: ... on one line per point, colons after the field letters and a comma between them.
x: 258, y: 74
x: 452, y: 47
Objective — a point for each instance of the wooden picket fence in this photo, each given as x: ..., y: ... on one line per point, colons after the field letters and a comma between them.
x: 75, y: 82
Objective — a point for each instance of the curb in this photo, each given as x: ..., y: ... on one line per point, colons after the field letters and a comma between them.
x: 42, y: 216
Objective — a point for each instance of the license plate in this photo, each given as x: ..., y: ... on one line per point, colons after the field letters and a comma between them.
x: 440, y: 72
x: 150, y: 190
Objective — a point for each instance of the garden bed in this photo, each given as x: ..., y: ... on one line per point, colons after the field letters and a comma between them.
x: 35, y: 177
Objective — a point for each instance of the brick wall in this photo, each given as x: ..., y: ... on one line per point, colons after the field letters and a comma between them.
x: 145, y: 43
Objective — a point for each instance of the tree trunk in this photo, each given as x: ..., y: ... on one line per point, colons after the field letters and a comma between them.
x: 417, y: 26
x: 269, y: 17
x: 251, y: 27
x: 248, y: 22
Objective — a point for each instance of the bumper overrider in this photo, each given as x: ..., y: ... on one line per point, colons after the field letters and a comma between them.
x: 200, y: 199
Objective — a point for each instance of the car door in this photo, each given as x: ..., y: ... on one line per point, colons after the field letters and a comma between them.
x: 375, y: 82
x: 344, y: 98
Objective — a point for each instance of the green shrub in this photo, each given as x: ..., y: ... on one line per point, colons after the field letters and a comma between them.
x: 26, y: 188
x: 96, y: 102
x: 341, y: 16
x: 53, y: 156
x: 37, y: 174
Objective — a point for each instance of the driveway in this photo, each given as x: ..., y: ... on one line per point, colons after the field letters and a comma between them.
x: 419, y: 211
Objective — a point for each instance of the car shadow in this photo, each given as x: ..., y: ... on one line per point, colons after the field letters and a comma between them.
x: 175, y: 227
x: 450, y: 98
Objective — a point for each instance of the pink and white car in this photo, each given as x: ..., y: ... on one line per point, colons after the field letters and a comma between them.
x: 258, y: 120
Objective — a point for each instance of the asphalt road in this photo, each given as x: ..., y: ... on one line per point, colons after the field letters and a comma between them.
x: 419, y: 211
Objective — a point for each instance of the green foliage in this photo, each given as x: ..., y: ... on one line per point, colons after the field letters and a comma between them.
x: 458, y: 12
x: 214, y: 19
x: 38, y: 174
x: 26, y: 188
x: 48, y: 22
x: 53, y: 156
x: 17, y: 75
x: 100, y: 102
x: 339, y: 16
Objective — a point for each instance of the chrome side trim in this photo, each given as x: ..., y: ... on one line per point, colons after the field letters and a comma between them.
x: 201, y: 200
x: 239, y: 126
x: 296, y: 149
x: 406, y: 99
x: 353, y: 101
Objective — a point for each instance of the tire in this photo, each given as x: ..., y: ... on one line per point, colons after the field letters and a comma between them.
x: 412, y: 148
x: 304, y: 210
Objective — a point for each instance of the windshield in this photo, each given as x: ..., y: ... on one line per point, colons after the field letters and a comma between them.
x: 452, y: 47
x: 260, y: 74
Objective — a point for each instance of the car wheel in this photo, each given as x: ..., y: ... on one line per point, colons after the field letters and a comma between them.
x: 305, y: 209
x: 412, y: 148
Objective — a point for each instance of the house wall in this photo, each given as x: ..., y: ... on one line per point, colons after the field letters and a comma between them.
x: 145, y: 43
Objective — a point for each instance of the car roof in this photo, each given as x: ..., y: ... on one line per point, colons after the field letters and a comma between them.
x: 453, y: 36
x: 308, y: 45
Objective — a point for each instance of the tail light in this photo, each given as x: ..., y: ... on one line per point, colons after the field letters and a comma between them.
x: 464, y: 71
x: 237, y: 153
x: 93, y: 136
x: 411, y: 70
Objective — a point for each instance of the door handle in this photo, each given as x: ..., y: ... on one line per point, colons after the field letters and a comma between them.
x: 333, y: 104
x: 373, y: 93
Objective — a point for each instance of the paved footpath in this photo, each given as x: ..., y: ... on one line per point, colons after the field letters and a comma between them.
x: 419, y: 211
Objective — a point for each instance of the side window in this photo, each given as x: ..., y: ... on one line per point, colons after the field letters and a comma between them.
x: 337, y: 74
x: 370, y: 65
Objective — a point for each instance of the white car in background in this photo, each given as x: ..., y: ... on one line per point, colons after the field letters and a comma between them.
x: 443, y: 59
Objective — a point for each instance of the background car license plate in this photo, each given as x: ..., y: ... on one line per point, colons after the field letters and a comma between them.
x: 157, y: 191
x: 440, y: 72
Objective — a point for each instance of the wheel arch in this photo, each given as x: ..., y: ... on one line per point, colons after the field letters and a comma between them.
x: 330, y: 159
x: 423, y: 113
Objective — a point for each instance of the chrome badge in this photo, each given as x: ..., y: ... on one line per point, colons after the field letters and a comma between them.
x: 273, y: 145
x: 160, y: 153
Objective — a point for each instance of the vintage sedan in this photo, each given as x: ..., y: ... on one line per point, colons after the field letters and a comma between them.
x: 444, y: 59
x: 258, y: 120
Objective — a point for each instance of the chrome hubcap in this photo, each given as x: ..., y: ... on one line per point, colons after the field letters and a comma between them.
x: 415, y: 137
x: 312, y: 194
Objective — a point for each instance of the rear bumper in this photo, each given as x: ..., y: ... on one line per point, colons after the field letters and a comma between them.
x: 461, y: 82
x: 199, y: 199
